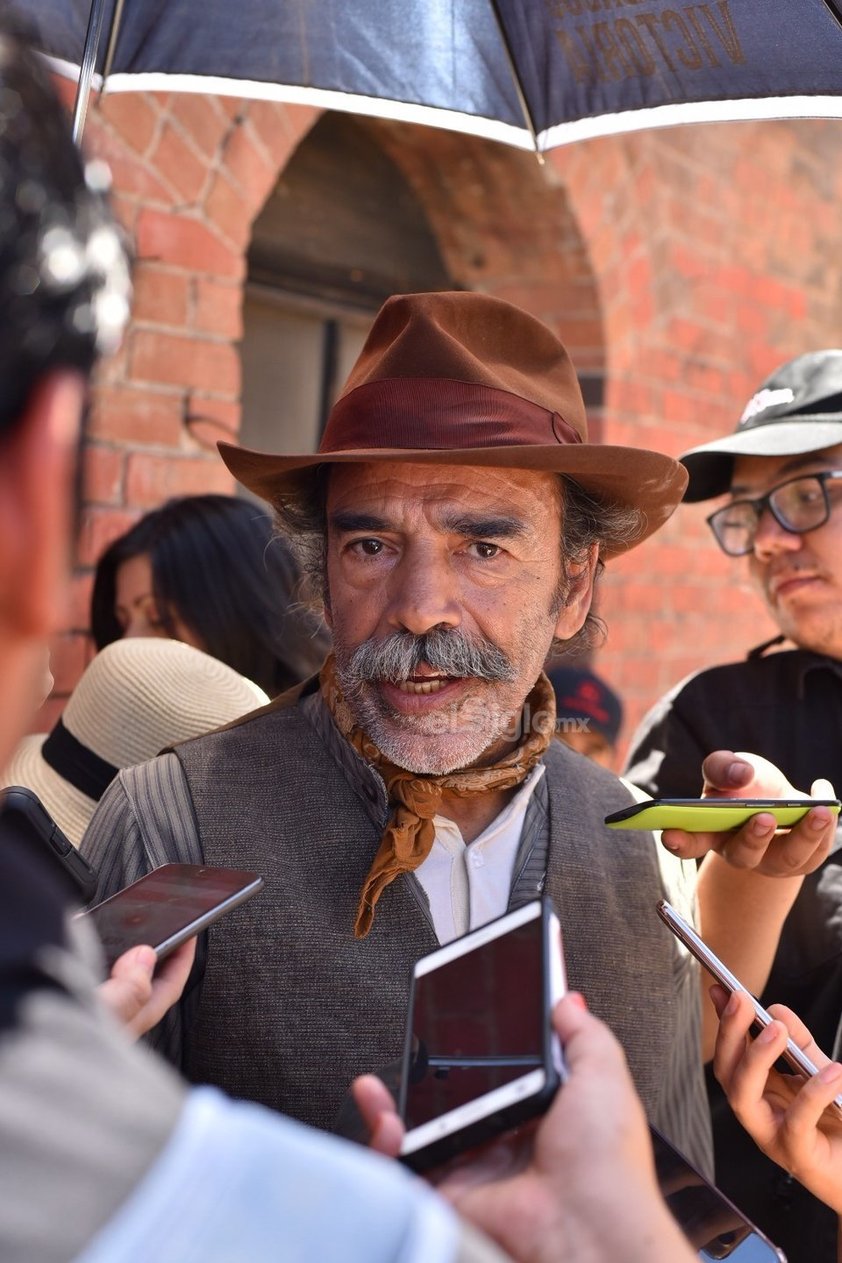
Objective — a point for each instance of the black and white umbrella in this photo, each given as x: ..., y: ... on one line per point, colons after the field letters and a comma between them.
x: 528, y: 72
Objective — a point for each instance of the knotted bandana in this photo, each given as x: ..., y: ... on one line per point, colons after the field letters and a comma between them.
x: 416, y: 798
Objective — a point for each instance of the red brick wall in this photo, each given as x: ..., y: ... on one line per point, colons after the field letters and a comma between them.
x: 716, y: 253
x: 683, y: 264
x: 190, y: 174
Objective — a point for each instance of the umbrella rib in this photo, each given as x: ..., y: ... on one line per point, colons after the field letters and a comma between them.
x: 93, y: 35
x: 116, y: 19
x: 518, y: 82
x: 86, y: 70
x: 834, y: 10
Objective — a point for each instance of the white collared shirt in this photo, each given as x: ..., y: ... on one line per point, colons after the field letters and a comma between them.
x: 469, y: 884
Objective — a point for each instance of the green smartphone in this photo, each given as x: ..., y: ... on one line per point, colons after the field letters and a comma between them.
x: 712, y: 815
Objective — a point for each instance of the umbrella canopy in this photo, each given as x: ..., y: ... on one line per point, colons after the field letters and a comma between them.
x: 527, y: 72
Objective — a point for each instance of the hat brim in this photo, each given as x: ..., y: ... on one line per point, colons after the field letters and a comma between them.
x: 68, y: 806
x: 711, y: 465
x: 627, y: 476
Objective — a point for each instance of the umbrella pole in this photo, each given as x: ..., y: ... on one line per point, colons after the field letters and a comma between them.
x: 116, y: 19
x: 521, y: 95
x: 86, y: 70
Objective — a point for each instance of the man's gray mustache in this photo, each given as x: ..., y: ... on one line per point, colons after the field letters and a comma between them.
x: 452, y: 653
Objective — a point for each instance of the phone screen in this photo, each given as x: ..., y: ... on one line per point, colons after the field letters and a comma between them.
x: 167, y: 906
x: 477, y: 1025
x: 712, y: 1225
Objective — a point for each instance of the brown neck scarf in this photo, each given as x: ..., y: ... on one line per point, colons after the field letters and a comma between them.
x: 416, y: 798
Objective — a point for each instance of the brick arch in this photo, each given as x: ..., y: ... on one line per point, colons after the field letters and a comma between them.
x: 505, y: 226
x: 716, y: 253
x: 189, y: 175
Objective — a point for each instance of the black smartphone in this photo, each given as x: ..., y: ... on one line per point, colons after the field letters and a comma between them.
x: 23, y: 812
x: 480, y: 1054
x: 168, y: 906
x: 795, y: 1057
x: 712, y: 815
x: 712, y: 1224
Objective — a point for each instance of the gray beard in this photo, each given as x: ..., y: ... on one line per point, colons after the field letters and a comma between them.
x: 425, y: 746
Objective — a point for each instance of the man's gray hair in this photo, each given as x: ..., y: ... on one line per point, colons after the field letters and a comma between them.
x: 587, y: 519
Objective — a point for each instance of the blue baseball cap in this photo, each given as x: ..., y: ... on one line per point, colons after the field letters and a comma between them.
x: 582, y: 695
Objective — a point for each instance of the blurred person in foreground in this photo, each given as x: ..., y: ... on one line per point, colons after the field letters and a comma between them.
x: 210, y: 570
x: 781, y: 471
x: 63, y: 298
x: 589, y: 714
x: 455, y: 519
x: 104, y: 1155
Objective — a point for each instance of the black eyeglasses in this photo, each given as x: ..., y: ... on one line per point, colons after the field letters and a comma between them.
x: 797, y: 505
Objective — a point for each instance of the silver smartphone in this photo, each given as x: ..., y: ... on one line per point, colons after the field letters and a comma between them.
x: 480, y: 1054
x: 794, y: 1056
x: 168, y: 906
x: 711, y: 1223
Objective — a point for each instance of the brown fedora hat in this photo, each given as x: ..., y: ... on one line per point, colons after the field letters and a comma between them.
x: 467, y: 379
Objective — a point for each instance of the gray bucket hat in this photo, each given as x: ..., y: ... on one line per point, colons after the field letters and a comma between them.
x: 796, y: 410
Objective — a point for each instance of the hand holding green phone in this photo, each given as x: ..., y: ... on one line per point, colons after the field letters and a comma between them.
x: 713, y: 815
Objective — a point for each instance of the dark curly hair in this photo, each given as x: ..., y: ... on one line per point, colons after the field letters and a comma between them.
x: 64, y: 285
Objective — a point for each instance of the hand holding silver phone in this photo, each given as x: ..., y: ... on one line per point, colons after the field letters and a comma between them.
x: 167, y: 906
x: 794, y: 1056
x: 480, y: 1053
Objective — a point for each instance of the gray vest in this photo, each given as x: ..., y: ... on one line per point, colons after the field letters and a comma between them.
x: 293, y: 1006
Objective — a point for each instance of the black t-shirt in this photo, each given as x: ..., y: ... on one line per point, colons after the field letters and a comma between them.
x: 34, y: 906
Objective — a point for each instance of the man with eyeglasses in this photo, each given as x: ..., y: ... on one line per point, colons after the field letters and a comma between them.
x: 782, y: 472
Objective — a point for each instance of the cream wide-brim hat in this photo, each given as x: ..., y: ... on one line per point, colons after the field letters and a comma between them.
x: 68, y: 806
x: 135, y: 698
